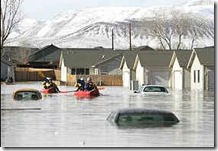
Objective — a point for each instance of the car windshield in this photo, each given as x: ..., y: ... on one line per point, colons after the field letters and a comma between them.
x: 154, y: 89
x: 26, y: 96
x: 138, y: 119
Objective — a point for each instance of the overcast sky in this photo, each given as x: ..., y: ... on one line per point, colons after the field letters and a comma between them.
x: 46, y: 9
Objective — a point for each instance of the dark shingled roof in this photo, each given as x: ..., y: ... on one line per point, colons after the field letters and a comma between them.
x: 51, y: 50
x: 146, y: 48
x: 151, y: 58
x: 183, y: 57
x: 206, y: 55
x: 86, y: 58
x: 129, y: 57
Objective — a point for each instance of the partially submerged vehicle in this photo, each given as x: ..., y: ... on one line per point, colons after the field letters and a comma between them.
x: 152, y: 89
x: 141, y: 117
x: 27, y: 94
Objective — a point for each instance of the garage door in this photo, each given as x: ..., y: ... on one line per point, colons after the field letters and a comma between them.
x: 161, y: 78
x: 211, y: 80
x: 126, y: 79
x: 178, y: 80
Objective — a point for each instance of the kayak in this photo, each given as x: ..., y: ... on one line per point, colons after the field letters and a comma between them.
x: 86, y: 93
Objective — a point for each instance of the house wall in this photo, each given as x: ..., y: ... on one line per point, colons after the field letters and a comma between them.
x: 126, y: 76
x: 63, y: 72
x: 139, y: 73
x: 197, y: 75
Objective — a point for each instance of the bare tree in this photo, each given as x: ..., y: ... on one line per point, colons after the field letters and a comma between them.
x: 162, y: 30
x: 10, y: 17
x: 170, y: 28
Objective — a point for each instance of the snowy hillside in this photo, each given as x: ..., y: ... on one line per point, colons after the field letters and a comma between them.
x: 93, y: 27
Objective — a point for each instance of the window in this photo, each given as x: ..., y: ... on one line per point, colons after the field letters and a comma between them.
x: 194, y: 76
x: 73, y: 71
x: 198, y: 76
x: 87, y: 71
x: 82, y: 71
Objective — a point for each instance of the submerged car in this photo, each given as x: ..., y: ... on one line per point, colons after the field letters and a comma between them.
x: 138, y: 117
x: 27, y: 94
x: 152, y: 89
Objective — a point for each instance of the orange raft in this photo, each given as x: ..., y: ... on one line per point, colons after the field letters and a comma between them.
x: 86, y: 93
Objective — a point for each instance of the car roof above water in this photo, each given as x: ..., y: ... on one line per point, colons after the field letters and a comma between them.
x: 142, y: 110
x: 144, y: 85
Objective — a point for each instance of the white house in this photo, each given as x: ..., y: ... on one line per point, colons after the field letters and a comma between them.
x: 153, y: 67
x: 128, y: 74
x: 201, y: 65
x: 180, y: 75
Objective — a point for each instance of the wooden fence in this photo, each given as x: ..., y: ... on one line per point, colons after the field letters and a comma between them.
x: 106, y: 80
x: 32, y: 74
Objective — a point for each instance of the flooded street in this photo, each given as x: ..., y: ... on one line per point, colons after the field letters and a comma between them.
x: 62, y: 120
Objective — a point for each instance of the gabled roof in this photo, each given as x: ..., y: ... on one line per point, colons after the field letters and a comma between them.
x: 86, y: 58
x: 205, y: 55
x: 129, y: 58
x: 47, y: 50
x: 142, y: 48
x: 150, y: 58
x: 113, y: 57
x: 182, y: 57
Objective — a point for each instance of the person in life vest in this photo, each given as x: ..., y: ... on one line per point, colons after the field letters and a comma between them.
x: 49, y: 84
x: 90, y: 86
x: 80, y: 84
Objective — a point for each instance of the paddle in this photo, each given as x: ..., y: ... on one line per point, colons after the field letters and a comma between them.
x: 100, y: 88
x: 67, y: 91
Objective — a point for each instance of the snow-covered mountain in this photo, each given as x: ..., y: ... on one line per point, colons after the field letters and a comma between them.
x: 93, y: 27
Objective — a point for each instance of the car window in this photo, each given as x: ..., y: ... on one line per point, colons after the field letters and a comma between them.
x: 139, y: 118
x: 152, y: 89
x: 26, y: 96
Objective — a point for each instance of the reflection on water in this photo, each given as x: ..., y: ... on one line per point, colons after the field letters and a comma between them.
x: 62, y: 120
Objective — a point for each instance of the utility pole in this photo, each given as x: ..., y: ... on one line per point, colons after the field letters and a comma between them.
x: 112, y: 39
x: 130, y: 42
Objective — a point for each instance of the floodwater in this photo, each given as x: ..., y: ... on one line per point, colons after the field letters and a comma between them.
x: 66, y: 121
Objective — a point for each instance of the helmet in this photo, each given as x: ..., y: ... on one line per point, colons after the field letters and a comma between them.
x: 48, y: 79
